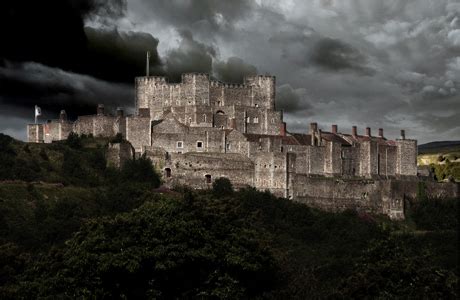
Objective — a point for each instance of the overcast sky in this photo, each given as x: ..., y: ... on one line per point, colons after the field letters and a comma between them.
x: 393, y: 64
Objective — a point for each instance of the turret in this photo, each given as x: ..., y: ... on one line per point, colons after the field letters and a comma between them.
x: 100, y: 109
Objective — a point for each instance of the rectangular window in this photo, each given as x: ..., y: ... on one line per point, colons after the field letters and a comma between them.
x: 180, y: 144
x: 199, y: 145
x: 256, y: 120
x: 228, y: 146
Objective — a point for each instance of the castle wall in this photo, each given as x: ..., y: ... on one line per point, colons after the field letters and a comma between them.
x: 35, y: 133
x: 192, y: 168
x: 138, y: 132
x: 333, y: 159
x: 338, y: 195
x: 118, y: 153
x: 315, y: 157
x: 406, y: 157
x: 270, y: 172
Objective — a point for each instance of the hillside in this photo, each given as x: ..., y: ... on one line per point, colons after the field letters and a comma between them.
x: 77, y: 229
x: 442, y: 157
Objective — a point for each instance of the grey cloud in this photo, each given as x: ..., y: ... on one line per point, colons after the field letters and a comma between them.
x: 233, y: 70
x: 293, y: 101
x: 190, y: 56
x: 335, y: 55
x: 28, y: 84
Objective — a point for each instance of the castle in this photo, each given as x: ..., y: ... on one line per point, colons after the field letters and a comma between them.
x: 201, y: 129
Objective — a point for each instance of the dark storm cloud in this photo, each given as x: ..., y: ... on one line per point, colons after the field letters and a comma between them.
x: 190, y: 56
x: 119, y: 56
x: 292, y: 100
x: 335, y: 55
x: 52, y: 33
x: 24, y: 85
x: 205, y: 16
x: 233, y: 70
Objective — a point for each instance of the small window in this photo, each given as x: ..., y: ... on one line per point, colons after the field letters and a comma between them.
x: 168, y: 172
x: 199, y: 144
x: 208, y: 178
x: 256, y: 120
x: 180, y: 144
x: 204, y: 118
x: 248, y: 119
x: 228, y: 146
x: 256, y: 105
x: 189, y: 120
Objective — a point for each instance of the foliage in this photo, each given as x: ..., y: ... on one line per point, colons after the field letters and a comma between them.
x: 79, y: 229
x: 118, y: 138
x: 140, y: 170
x: 389, y: 269
x: 435, y: 214
x: 163, y: 249
x: 74, y: 141
x: 222, y: 187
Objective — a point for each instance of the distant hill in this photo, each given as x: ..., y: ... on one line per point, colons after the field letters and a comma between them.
x: 443, y: 157
x: 439, y: 147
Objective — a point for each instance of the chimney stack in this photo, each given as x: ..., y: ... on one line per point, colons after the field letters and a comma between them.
x: 283, y: 129
x: 313, y: 127
x: 354, y: 131
x: 63, y: 116
x: 368, y: 131
x: 381, y: 132
x: 403, y: 134
x: 334, y: 129
x: 119, y: 112
x: 100, y: 109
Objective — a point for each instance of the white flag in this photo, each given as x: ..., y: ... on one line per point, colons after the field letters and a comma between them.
x: 38, y: 111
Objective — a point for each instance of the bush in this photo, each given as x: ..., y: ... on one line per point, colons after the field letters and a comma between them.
x: 74, y: 141
x: 141, y: 171
x: 222, y: 187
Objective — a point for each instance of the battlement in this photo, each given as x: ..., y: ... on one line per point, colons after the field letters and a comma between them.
x: 216, y: 83
x: 151, y: 79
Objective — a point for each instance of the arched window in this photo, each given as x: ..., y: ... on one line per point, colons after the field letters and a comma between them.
x: 208, y: 178
x: 167, y: 172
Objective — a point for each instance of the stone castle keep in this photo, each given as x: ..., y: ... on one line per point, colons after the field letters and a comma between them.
x: 200, y: 129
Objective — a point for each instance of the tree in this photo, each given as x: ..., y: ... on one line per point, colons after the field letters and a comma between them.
x: 222, y: 187
x: 141, y: 171
x: 164, y: 249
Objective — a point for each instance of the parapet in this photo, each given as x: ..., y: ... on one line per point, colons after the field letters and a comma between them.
x: 151, y: 79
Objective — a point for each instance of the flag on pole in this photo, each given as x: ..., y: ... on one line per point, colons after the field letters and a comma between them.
x: 38, y: 112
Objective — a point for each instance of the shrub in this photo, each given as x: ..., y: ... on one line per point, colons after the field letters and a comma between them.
x: 141, y: 171
x: 74, y: 141
x: 222, y: 187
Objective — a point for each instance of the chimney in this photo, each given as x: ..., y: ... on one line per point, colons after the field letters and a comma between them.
x: 313, y: 127
x: 100, y: 109
x: 233, y: 123
x: 381, y: 132
x: 283, y: 129
x: 63, y: 116
x: 368, y: 131
x: 403, y: 134
x: 334, y: 129
x: 119, y: 112
x: 354, y: 131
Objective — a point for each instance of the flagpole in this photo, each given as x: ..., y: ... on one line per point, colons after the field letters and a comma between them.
x: 35, y: 113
